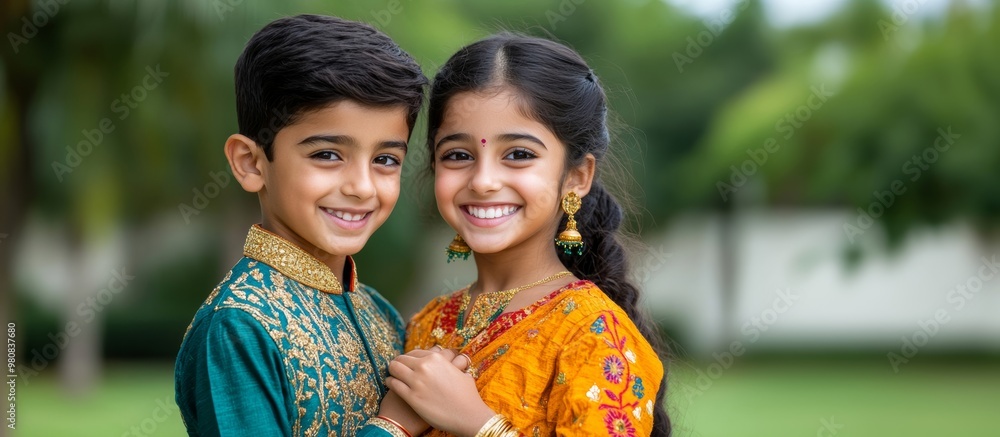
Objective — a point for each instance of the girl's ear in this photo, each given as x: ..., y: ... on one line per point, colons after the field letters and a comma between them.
x: 580, y: 178
x: 247, y: 161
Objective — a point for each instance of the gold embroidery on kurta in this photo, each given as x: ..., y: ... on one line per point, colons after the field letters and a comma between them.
x: 323, y: 356
x: 292, y: 261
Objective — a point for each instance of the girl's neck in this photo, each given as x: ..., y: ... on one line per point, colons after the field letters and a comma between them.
x: 516, y: 266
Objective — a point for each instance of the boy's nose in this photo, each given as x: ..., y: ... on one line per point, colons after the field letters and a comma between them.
x: 359, y: 184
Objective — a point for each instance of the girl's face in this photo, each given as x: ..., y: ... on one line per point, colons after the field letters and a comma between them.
x: 499, y: 174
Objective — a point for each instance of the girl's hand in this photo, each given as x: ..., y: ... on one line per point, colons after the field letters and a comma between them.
x: 433, y: 383
x: 395, y: 408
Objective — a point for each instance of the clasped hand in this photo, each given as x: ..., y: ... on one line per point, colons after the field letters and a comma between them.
x: 434, y: 384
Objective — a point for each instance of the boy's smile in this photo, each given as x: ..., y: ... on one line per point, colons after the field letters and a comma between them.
x: 347, y: 218
x: 334, y: 177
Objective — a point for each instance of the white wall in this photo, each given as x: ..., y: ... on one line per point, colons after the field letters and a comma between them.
x: 886, y: 297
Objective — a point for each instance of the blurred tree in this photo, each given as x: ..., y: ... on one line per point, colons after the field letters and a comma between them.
x: 905, y: 141
x: 16, y: 189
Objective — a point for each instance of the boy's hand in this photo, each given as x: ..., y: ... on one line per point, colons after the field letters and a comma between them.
x: 395, y: 408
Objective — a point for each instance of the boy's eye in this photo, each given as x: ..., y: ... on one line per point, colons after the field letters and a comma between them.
x: 387, y: 160
x: 520, y: 154
x: 325, y: 155
x: 456, y: 155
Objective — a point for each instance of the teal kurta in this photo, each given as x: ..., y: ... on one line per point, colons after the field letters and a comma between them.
x: 279, y: 348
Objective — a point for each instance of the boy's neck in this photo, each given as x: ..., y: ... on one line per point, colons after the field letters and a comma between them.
x: 336, y: 263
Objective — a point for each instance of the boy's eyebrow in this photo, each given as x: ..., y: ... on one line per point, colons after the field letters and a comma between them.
x: 347, y: 140
x: 392, y: 144
x: 453, y: 137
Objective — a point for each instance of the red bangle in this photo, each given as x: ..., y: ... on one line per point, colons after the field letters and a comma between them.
x: 396, y: 424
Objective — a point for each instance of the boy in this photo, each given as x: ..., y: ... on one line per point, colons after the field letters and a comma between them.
x: 290, y: 343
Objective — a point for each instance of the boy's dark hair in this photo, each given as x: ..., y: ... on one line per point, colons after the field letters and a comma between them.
x: 557, y: 88
x: 302, y: 63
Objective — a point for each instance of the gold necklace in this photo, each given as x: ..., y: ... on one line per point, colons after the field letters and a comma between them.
x: 489, y: 306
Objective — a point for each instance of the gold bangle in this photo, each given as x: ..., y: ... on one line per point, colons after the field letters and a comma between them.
x: 397, y: 424
x: 497, y: 426
x: 487, y: 429
x: 388, y: 425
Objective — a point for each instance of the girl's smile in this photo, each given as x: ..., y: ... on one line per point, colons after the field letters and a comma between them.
x: 486, y: 215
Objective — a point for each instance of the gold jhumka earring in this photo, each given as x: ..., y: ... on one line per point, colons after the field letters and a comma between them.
x: 458, y: 249
x: 570, y: 240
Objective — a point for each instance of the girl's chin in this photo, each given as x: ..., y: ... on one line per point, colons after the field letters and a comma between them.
x: 486, y: 247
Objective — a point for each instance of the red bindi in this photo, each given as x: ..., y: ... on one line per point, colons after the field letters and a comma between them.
x: 483, y: 141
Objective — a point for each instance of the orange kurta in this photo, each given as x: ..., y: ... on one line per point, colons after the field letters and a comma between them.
x: 571, y: 364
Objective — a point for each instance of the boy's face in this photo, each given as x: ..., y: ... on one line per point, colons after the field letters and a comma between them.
x: 334, y: 177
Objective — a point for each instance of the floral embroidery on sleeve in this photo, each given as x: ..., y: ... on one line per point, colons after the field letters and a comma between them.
x: 622, y: 390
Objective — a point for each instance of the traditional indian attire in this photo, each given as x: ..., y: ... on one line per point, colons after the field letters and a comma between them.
x: 572, y: 363
x: 280, y: 348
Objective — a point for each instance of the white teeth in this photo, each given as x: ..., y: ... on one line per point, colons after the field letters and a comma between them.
x: 491, y: 212
x: 346, y: 216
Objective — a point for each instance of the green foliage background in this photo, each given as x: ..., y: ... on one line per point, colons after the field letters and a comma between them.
x: 692, y: 97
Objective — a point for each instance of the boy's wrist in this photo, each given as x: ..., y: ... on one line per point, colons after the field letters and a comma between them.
x: 394, y: 428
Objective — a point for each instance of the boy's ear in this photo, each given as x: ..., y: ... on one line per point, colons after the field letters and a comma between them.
x: 580, y: 178
x: 247, y: 161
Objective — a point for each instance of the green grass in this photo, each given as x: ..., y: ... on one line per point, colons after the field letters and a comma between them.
x: 127, y: 396
x: 752, y: 398
x: 863, y: 398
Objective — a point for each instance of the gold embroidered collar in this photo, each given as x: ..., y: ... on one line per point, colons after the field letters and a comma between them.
x: 293, y: 262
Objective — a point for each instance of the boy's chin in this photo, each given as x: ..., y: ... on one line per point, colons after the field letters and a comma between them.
x: 343, y: 248
x: 341, y: 242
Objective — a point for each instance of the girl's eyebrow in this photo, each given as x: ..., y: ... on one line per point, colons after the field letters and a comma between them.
x: 520, y: 136
x: 504, y: 138
x: 453, y: 137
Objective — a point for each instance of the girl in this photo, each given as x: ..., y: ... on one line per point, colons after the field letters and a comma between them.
x: 550, y: 331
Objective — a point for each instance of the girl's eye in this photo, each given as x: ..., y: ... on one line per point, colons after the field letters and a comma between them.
x: 520, y: 154
x: 387, y: 160
x: 325, y: 155
x: 456, y: 155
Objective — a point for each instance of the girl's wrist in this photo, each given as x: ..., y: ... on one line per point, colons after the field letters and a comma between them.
x: 498, y: 426
x: 475, y: 421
